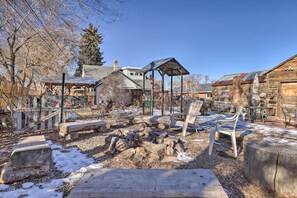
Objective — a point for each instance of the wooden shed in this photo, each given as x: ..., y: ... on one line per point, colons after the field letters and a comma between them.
x: 282, y: 85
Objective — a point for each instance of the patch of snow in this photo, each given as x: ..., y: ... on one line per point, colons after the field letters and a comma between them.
x: 27, y: 185
x: 4, y: 187
x: 184, y: 157
x: 197, y: 140
x: 73, y: 115
x: 67, y: 160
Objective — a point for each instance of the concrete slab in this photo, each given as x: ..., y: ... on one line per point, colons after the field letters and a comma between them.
x: 148, y: 183
x: 31, y: 151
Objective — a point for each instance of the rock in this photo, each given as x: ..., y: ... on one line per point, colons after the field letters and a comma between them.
x: 30, y: 152
x: 140, y: 127
x: 10, y: 175
x: 104, y: 129
x: 169, y: 142
x: 161, y: 126
x: 161, y: 137
x: 127, y: 154
x: 147, y: 131
x: 169, y: 151
x: 179, y: 147
x: 72, y: 136
x: 122, y: 145
x: 158, y: 149
x: 139, y: 155
x: 153, y: 157
x: 169, y: 159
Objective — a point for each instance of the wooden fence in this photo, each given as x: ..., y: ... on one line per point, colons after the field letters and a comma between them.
x: 10, y: 93
x: 34, y: 114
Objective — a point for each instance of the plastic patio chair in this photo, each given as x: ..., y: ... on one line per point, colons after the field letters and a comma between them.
x: 226, y: 126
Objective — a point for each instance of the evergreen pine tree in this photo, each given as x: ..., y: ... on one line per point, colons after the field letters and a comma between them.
x: 89, y: 49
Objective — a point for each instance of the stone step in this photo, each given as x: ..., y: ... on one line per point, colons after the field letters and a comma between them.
x: 148, y: 183
x: 32, y: 151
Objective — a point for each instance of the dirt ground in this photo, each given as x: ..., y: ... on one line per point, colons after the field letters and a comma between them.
x: 228, y: 170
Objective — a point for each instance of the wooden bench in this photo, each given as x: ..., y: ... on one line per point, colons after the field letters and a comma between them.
x: 289, y: 114
x: 71, y: 128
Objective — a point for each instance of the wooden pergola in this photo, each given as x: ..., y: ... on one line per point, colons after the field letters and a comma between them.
x: 70, y: 81
x: 171, y: 67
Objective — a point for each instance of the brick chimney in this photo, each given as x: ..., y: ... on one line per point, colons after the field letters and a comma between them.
x: 115, y: 65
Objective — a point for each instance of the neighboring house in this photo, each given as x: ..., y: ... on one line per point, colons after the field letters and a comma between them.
x: 282, y: 85
x: 202, y: 91
x: 279, y: 85
x: 132, y: 81
x: 222, y: 89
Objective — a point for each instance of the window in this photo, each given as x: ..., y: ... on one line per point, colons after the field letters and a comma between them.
x: 136, y: 74
x: 131, y: 74
x: 140, y: 74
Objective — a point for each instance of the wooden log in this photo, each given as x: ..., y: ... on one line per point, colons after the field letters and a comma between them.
x: 153, y: 120
x: 70, y: 127
x: 271, y: 165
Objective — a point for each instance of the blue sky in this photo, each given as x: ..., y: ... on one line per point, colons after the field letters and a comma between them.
x: 213, y: 37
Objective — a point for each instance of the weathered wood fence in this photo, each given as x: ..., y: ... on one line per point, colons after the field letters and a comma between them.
x: 34, y: 114
x: 10, y: 93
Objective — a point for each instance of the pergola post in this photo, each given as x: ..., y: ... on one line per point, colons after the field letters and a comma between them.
x: 153, y: 92
x: 162, y: 110
x: 181, y: 92
x: 171, y: 90
x: 143, y: 92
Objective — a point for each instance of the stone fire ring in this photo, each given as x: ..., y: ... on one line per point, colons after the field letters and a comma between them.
x: 271, y: 164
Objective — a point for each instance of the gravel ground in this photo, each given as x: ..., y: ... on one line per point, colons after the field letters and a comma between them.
x: 228, y: 170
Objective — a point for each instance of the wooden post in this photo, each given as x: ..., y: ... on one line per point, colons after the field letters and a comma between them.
x: 19, y: 114
x: 35, y: 113
x: 143, y: 92
x: 171, y: 90
x: 62, y: 98
x: 153, y: 93
x: 42, y: 113
x: 162, y: 110
x: 181, y: 92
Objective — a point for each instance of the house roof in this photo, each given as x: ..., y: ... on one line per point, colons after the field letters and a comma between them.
x: 246, y: 78
x: 69, y: 80
x: 136, y: 84
x: 170, y: 65
x: 97, y: 72
x: 291, y: 58
x: 202, y: 88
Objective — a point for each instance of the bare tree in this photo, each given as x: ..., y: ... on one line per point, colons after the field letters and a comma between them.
x: 113, y: 93
x: 39, y: 37
x: 206, y: 79
x: 194, y: 82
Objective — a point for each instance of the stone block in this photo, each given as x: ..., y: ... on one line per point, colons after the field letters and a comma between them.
x: 127, y: 154
x: 10, y: 175
x: 30, y: 152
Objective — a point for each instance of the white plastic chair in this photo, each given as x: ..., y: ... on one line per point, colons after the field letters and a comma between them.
x: 223, y: 127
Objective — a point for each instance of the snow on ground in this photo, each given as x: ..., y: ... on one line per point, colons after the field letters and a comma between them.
x: 67, y: 160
